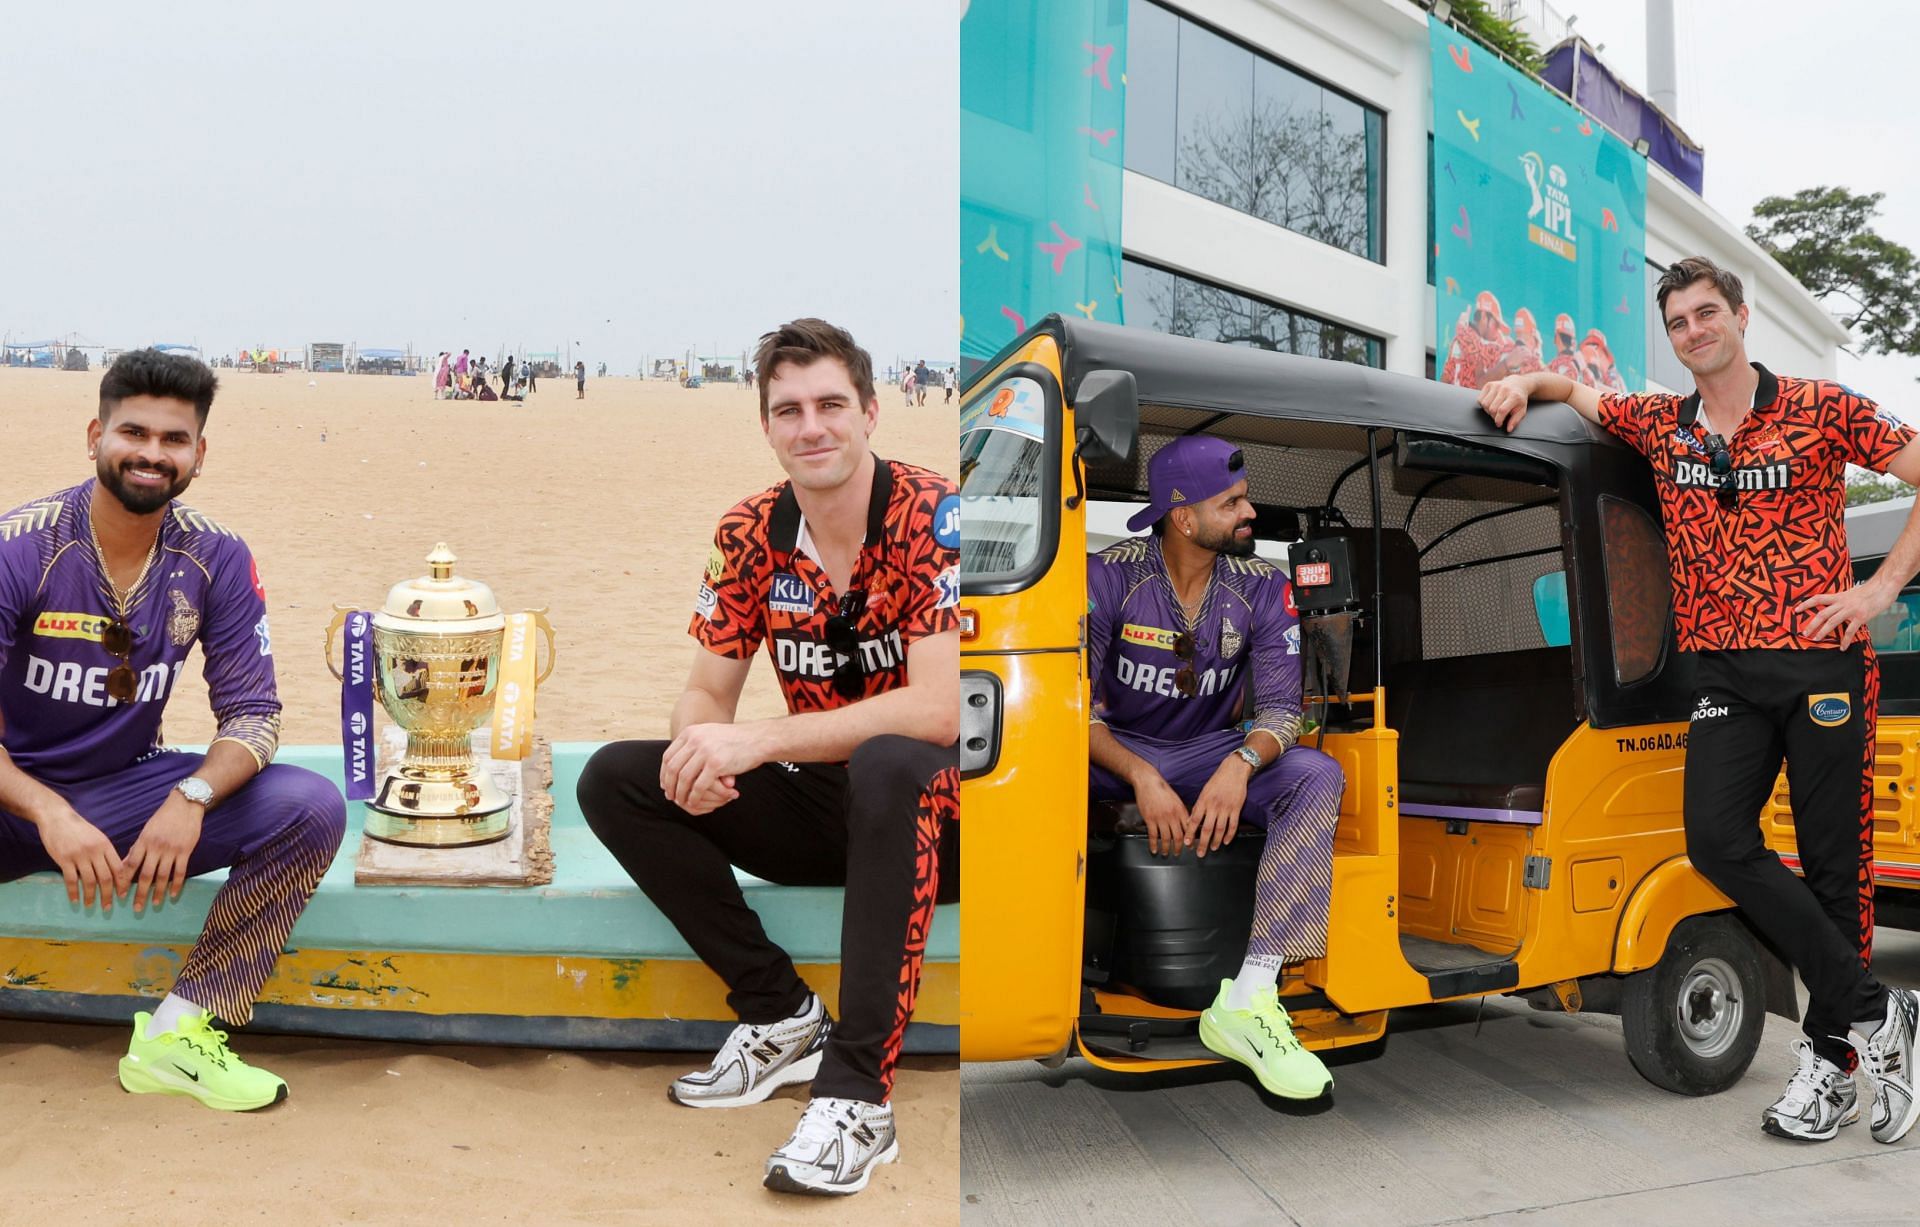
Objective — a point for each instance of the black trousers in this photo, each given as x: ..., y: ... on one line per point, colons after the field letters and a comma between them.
x: 1817, y: 708
x: 884, y: 826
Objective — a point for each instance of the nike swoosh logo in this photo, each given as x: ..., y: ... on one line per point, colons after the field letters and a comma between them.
x: 188, y: 1072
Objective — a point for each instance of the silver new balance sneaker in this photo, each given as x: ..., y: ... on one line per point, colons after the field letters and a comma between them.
x: 1819, y: 1099
x: 1886, y: 1057
x: 834, y: 1148
x: 758, y: 1060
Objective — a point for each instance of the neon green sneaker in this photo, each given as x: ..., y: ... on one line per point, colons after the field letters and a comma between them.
x: 1261, y: 1038
x: 193, y: 1059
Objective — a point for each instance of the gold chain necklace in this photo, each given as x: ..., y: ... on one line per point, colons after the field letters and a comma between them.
x: 120, y: 598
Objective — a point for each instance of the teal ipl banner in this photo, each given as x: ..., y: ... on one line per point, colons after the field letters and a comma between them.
x: 1042, y: 108
x: 1540, y: 222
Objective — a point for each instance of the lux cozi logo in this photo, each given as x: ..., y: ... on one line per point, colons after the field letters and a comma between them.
x: 70, y: 626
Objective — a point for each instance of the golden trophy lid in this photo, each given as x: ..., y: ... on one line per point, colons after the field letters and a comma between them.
x: 439, y: 596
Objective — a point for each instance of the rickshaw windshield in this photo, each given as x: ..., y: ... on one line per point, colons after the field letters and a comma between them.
x: 1006, y: 480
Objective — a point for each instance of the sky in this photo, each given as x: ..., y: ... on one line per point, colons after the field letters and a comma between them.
x: 1786, y: 96
x: 635, y: 180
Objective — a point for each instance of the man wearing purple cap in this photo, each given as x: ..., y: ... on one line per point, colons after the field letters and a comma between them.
x: 1176, y: 621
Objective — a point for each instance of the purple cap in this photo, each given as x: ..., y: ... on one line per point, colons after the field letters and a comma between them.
x: 1191, y: 469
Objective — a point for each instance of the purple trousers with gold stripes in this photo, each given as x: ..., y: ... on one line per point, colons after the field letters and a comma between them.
x: 277, y: 834
x: 1295, y: 799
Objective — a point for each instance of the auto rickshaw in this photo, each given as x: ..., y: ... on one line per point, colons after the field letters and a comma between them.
x: 1511, y: 724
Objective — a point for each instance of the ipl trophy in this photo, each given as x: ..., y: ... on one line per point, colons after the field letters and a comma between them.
x: 437, y: 649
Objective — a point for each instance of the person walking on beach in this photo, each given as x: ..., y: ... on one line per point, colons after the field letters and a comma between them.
x: 580, y: 380
x: 105, y: 588
x: 849, y: 573
x: 1750, y: 471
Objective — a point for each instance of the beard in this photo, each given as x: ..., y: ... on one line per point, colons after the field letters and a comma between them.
x: 140, y: 501
x: 1225, y: 543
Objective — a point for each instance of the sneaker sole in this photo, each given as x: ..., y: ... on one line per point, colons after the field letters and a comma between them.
x: 1772, y: 1125
x: 799, y: 1071
x: 1229, y: 1048
x: 1906, y: 1123
x: 781, y: 1178
x: 136, y: 1079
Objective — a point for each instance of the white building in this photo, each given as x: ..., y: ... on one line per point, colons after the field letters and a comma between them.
x: 1360, y: 289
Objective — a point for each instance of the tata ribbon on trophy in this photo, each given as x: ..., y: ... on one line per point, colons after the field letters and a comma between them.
x: 443, y: 660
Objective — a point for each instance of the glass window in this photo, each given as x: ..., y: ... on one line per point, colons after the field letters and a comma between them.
x: 1217, y: 119
x: 1002, y: 477
x: 1189, y: 307
x: 1153, y: 72
x: 1639, y: 591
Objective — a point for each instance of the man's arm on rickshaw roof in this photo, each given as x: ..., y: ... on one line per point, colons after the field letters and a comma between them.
x: 1506, y: 400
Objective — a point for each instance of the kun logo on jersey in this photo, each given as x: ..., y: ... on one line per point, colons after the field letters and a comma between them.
x: 1775, y: 476
x: 801, y: 656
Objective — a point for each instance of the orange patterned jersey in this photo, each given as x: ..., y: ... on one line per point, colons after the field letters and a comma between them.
x: 763, y: 583
x: 1739, y: 572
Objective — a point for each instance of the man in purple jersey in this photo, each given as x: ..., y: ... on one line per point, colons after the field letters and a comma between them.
x: 1176, y: 623
x: 104, y: 589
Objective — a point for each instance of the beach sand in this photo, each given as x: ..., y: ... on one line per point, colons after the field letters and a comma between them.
x: 601, y: 510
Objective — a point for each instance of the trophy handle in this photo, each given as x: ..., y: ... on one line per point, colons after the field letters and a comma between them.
x: 340, y: 614
x: 546, y: 627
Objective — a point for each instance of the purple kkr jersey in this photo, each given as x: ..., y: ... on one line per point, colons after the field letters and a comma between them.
x: 1247, y: 628
x: 59, y: 725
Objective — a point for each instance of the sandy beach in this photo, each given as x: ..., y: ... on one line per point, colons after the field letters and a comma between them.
x: 601, y: 510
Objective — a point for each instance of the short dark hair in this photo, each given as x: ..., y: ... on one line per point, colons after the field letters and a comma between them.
x: 804, y: 342
x: 149, y: 372
x: 1695, y: 269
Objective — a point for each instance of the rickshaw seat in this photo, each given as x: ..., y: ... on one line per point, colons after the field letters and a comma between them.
x: 1477, y: 732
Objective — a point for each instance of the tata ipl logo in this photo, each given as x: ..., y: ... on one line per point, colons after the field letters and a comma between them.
x: 1550, y: 219
x: 357, y: 677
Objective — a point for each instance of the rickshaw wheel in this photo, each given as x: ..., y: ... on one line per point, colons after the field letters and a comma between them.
x: 1693, y: 1020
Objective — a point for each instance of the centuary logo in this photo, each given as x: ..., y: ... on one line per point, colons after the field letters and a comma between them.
x: 1829, y: 710
x: 790, y: 594
x: 70, y: 626
x: 1706, y: 709
x: 1550, y: 220
x: 947, y: 585
x: 1694, y: 473
x: 67, y: 682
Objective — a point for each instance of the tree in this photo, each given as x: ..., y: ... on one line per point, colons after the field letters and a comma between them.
x: 1824, y: 236
x: 1478, y: 18
x: 1864, y: 487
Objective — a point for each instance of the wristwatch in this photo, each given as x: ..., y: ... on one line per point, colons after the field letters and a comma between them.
x: 1252, y: 757
x: 196, y: 790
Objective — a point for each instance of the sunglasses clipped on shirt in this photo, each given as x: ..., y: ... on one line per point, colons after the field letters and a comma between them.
x: 117, y: 638
x: 1720, y: 464
x: 843, y: 639
x: 1184, y: 679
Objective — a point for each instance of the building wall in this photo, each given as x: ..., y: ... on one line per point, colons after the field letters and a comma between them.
x: 1376, y: 51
